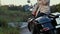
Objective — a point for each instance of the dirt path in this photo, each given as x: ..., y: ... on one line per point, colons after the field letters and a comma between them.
x: 25, y: 31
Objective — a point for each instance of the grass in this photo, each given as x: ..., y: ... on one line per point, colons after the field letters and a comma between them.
x: 9, y: 30
x: 5, y: 29
x: 13, y: 16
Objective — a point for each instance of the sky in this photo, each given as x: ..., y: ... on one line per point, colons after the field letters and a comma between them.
x: 23, y: 2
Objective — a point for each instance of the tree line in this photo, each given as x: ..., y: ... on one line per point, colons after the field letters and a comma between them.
x: 18, y: 13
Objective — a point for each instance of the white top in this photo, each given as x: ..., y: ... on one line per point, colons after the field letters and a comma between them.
x: 44, y: 9
x: 44, y: 6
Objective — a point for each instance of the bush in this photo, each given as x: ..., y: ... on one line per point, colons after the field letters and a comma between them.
x: 5, y: 29
x: 9, y: 30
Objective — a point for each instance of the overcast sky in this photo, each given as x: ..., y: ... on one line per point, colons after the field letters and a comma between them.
x: 23, y: 2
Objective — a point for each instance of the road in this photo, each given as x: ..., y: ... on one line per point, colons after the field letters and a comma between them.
x: 25, y: 31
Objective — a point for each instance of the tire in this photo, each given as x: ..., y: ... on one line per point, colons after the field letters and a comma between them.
x: 30, y: 26
x: 58, y: 30
x: 35, y: 30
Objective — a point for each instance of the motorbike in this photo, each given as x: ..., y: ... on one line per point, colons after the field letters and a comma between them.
x: 42, y: 25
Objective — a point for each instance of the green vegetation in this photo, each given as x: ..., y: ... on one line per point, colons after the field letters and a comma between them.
x: 13, y: 15
x: 7, y: 15
x: 9, y: 31
x: 5, y: 29
x: 55, y: 8
x: 17, y: 13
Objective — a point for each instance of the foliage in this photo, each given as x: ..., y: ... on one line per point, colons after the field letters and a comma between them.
x: 5, y: 29
x: 55, y: 8
x: 14, y: 15
x: 9, y: 30
x: 17, y: 13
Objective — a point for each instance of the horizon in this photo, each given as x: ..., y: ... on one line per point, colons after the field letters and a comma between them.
x: 19, y: 2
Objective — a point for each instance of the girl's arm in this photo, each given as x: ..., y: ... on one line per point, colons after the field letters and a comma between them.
x: 35, y: 9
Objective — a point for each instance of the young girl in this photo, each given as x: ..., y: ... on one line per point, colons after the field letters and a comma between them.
x: 43, y: 7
